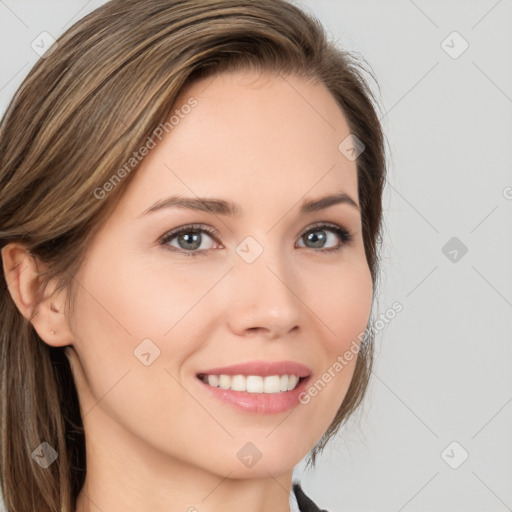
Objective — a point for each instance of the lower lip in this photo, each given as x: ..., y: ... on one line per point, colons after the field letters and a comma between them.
x: 259, y: 403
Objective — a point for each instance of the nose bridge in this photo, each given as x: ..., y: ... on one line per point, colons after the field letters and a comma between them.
x: 265, y: 282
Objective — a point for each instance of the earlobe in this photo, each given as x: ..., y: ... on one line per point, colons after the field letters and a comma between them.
x: 45, y: 313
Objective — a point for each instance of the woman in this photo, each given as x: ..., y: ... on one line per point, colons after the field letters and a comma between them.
x: 190, y: 218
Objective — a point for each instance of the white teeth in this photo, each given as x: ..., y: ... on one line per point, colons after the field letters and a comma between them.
x: 213, y: 380
x: 253, y: 383
x: 272, y: 384
x: 238, y: 383
x: 292, y: 382
x: 225, y: 382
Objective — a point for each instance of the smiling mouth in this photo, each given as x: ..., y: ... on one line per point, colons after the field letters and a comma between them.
x: 271, y: 384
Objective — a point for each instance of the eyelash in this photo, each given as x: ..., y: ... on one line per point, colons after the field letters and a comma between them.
x: 344, y: 234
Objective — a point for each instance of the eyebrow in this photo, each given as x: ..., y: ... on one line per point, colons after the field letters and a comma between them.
x: 223, y: 207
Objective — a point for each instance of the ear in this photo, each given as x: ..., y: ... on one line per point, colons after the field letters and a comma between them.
x: 22, y: 273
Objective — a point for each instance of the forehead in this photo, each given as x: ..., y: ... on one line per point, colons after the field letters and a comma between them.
x: 249, y: 136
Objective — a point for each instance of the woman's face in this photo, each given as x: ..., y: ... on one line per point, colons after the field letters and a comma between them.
x: 264, y: 286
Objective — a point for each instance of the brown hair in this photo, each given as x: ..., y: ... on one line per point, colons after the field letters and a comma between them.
x: 78, y: 116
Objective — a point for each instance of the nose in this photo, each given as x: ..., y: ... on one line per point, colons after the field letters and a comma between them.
x: 264, y: 296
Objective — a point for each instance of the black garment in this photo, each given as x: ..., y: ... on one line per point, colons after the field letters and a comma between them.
x: 305, y: 503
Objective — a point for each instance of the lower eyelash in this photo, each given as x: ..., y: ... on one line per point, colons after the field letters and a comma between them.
x: 344, y: 235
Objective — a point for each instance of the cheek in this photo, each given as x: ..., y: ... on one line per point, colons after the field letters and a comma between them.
x: 343, y: 304
x: 120, y: 303
x: 114, y: 316
x: 126, y: 298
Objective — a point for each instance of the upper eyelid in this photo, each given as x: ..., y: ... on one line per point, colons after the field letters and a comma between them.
x: 210, y: 230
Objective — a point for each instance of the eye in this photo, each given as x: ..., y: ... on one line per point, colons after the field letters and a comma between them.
x: 317, y: 235
x: 190, y: 238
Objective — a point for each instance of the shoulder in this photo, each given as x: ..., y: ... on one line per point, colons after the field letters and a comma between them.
x: 304, y: 503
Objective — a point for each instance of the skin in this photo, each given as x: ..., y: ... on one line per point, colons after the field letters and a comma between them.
x: 156, y: 440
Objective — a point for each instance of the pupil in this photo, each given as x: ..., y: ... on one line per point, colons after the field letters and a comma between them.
x: 195, y: 240
x: 318, y: 240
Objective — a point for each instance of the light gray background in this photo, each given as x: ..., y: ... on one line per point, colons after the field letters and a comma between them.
x: 443, y: 363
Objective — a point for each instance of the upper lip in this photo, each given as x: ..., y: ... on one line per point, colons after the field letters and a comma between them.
x: 263, y: 368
